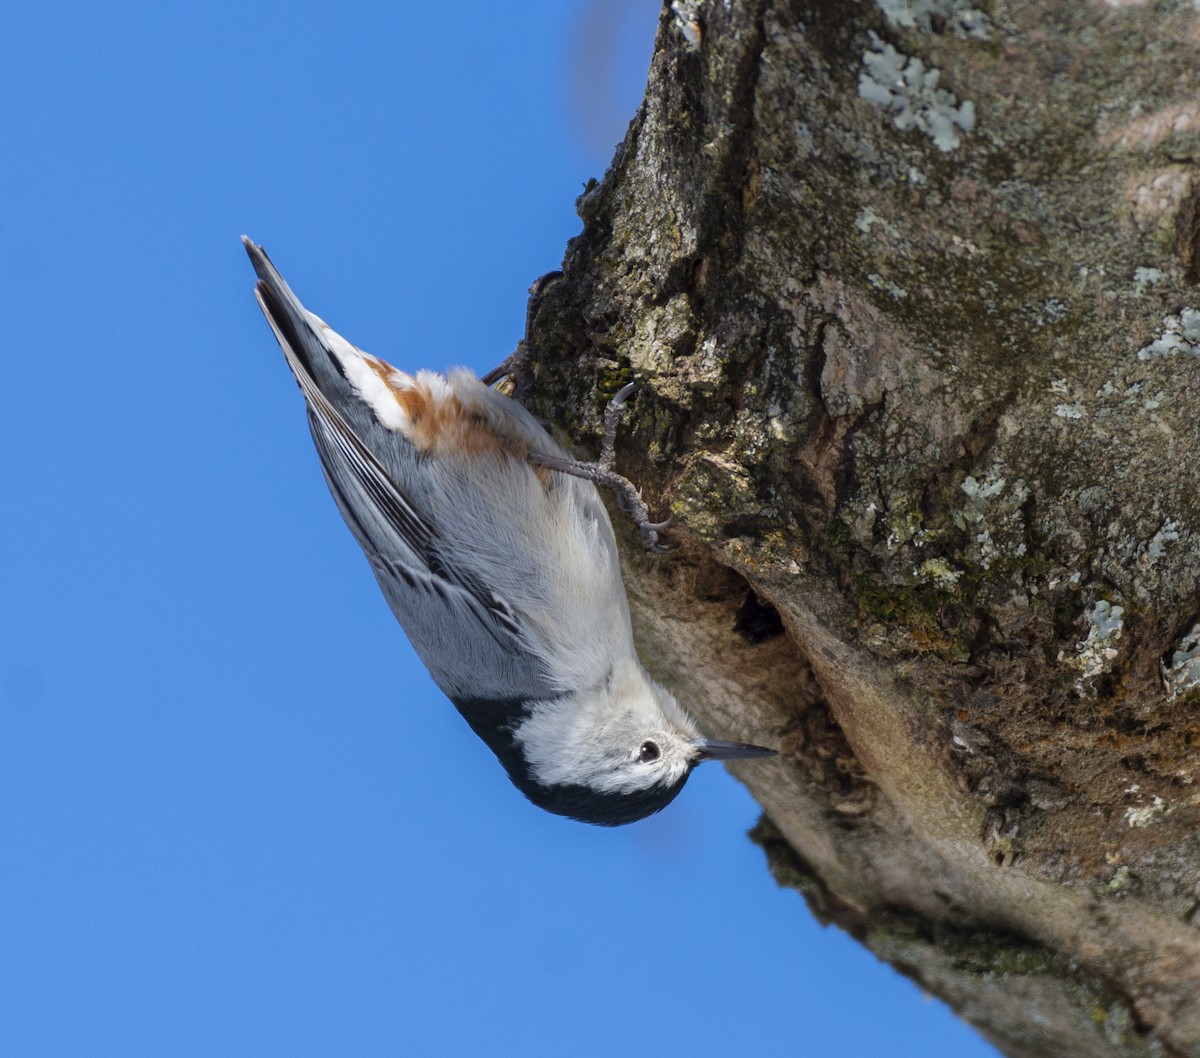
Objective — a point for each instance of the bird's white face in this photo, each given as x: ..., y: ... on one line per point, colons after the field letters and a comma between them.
x: 626, y: 737
x: 643, y: 748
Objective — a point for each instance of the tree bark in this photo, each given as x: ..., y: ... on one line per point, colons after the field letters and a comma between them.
x: 909, y: 289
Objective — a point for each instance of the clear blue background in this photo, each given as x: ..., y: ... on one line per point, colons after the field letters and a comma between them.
x: 235, y: 816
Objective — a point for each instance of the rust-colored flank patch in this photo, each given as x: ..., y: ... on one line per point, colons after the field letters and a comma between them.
x: 440, y: 423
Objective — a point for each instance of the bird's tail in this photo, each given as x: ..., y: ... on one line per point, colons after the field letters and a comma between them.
x: 315, y: 353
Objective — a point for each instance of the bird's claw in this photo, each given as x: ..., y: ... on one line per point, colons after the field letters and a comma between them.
x: 602, y: 473
x: 617, y: 404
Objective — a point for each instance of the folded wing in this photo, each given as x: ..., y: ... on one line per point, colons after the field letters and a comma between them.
x: 469, y: 638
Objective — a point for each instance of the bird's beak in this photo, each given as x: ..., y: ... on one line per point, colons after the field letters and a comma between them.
x: 715, y: 749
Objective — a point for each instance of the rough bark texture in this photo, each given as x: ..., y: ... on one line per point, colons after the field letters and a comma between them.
x: 919, y: 387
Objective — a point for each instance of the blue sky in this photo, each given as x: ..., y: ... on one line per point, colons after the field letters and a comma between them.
x: 236, y: 817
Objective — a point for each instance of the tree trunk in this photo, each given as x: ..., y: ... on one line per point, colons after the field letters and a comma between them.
x: 908, y: 288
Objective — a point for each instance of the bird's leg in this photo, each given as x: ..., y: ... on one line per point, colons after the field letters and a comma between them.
x: 513, y: 361
x: 602, y: 473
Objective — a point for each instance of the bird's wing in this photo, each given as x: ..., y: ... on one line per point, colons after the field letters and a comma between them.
x: 468, y: 636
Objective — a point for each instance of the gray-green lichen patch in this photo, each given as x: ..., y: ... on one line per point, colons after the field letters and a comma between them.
x: 1182, y: 673
x: 987, y: 510
x: 879, y: 283
x: 1096, y: 653
x: 1144, y: 278
x: 1053, y: 310
x: 908, y: 89
x: 1181, y: 335
x: 1119, y: 883
x: 937, y: 571
x: 1167, y: 534
x: 958, y: 16
x: 1144, y: 815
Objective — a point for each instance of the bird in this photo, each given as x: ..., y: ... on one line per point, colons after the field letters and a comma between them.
x: 497, y: 557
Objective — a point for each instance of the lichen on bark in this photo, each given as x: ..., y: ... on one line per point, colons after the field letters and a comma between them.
x: 925, y: 399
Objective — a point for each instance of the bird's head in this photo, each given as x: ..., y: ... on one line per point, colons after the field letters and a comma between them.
x: 614, y: 753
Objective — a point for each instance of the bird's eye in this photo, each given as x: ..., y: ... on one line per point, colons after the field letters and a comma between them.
x: 648, y: 752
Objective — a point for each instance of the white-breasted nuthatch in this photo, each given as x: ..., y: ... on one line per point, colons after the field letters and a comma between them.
x: 500, y: 564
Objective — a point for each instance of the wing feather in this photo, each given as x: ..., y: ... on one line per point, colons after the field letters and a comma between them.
x: 398, y: 540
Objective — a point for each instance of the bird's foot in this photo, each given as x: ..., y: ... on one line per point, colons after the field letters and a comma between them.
x: 602, y: 473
